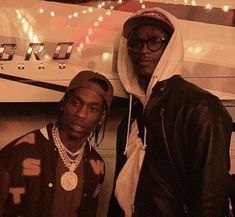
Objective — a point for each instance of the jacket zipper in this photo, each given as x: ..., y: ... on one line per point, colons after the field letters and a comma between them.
x: 164, y: 137
x: 185, y: 207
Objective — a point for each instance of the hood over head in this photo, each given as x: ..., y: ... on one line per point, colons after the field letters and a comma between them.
x: 171, y: 60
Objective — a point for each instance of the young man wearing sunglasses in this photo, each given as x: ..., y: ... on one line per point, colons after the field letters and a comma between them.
x: 173, y: 147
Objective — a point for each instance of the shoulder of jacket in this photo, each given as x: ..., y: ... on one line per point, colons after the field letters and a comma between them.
x: 96, y: 162
x: 94, y: 154
x: 27, y: 139
x: 192, y: 90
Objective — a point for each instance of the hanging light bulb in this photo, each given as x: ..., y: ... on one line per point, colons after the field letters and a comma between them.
x: 106, y: 56
x: 75, y: 14
x: 52, y: 13
x: 41, y: 10
x: 208, y: 7
x: 225, y: 8
x: 109, y: 13
x: 96, y: 23
x: 100, y: 18
x: 194, y: 3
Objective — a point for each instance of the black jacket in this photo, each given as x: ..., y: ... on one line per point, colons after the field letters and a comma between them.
x: 186, y: 165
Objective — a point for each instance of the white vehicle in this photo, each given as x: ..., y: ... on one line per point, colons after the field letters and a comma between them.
x: 43, y: 44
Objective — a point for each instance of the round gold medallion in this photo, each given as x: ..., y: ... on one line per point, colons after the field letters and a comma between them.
x: 69, y: 181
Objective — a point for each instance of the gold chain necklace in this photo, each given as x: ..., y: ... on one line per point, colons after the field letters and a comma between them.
x: 69, y: 179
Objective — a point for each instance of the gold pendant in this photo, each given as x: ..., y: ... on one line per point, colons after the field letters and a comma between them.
x: 72, y: 167
x: 69, y: 181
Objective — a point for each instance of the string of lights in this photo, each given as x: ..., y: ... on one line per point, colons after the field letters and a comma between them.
x: 109, y: 6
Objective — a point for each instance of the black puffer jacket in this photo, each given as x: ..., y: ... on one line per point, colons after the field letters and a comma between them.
x: 187, y: 162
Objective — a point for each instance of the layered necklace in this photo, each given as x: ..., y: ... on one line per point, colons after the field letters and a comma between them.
x: 69, y: 179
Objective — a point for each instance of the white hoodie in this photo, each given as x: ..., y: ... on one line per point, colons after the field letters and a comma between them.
x: 170, y: 64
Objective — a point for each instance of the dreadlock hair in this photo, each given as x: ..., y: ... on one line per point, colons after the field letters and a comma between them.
x: 94, y: 137
x: 101, y: 125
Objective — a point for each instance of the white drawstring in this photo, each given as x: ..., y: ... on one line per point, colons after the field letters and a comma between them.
x: 145, y: 135
x: 129, y: 123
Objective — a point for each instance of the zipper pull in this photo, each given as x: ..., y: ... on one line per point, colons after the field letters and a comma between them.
x: 162, y: 111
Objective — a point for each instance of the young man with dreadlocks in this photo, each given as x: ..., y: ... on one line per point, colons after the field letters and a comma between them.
x: 55, y: 171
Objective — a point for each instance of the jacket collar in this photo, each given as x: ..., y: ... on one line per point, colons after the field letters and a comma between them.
x: 167, y: 84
